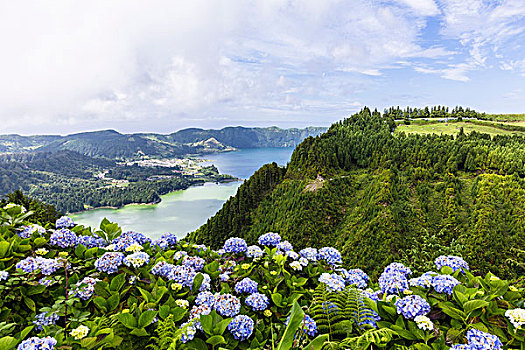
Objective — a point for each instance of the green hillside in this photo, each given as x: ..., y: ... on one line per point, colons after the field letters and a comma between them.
x: 381, y: 195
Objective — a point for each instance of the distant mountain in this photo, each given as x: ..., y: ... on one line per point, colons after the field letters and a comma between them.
x: 114, y: 145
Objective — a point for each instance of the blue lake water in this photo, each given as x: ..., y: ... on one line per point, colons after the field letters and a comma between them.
x: 184, y: 211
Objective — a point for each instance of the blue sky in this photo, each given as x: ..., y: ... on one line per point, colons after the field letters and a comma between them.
x: 160, y: 66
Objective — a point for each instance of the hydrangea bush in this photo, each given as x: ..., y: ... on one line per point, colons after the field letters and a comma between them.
x: 67, y: 286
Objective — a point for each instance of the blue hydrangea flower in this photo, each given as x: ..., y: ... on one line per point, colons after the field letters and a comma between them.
x: 182, y: 274
x: 188, y: 331
x: 423, y: 281
x: 461, y: 347
x: 334, y: 282
x: 84, y: 288
x: 369, y: 293
x: 355, y: 277
x: 200, y: 247
x: 309, y: 253
x: 254, y: 252
x: 64, y: 222
x: 330, y: 255
x: 398, y: 268
x: 292, y: 255
x: 4, y: 275
x: 246, y: 285
x: 137, y: 259
x: 29, y: 230
x: 241, y: 327
x: 393, y: 282
x: 227, y: 305
x: 128, y: 238
x: 479, y: 340
x: 270, y: 239
x: 162, y: 268
x: 308, y: 325
x: 179, y: 255
x: 205, y: 298
x: 198, y: 310
x: 454, y: 262
x: 257, y: 301
x: 206, y: 282
x: 46, y: 266
x: 193, y: 261
x: 285, y: 246
x: 42, y: 320
x: 46, y: 281
x: 109, y: 262
x: 91, y: 241
x: 63, y: 238
x: 170, y: 238
x: 224, y: 277
x: 444, y: 284
x: 35, y: 343
x: 235, y: 245
x: 412, y: 306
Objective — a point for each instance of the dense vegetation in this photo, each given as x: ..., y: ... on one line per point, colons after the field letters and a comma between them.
x: 114, y: 145
x: 380, y: 197
x: 66, y: 179
x: 64, y: 286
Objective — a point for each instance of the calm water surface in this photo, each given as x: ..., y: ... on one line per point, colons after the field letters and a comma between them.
x: 184, y: 211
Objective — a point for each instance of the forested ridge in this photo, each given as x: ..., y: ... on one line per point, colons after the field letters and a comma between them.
x: 380, y: 197
x: 67, y: 180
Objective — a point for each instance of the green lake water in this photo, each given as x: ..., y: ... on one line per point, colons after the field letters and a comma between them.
x: 184, y: 211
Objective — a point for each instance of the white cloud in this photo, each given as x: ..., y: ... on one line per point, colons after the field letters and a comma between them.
x: 102, y: 63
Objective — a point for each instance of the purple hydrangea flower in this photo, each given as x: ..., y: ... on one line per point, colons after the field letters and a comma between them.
x: 454, y: 262
x: 64, y: 222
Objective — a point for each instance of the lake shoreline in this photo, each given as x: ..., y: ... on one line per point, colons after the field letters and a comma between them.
x: 153, y: 203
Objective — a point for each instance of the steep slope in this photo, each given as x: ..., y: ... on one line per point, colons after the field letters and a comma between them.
x: 379, y: 197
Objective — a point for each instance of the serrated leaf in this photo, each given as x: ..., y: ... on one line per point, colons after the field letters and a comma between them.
x: 113, y: 302
x: 472, y: 305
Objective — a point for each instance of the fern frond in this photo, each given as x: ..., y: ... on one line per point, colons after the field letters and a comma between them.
x: 379, y: 337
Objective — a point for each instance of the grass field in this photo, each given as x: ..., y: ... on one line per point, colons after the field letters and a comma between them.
x: 507, y: 117
x: 453, y: 128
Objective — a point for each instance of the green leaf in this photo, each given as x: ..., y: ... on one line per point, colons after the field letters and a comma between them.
x: 277, y: 299
x: 474, y: 305
x: 117, y: 282
x: 101, y: 303
x: 297, y: 316
x: 36, y: 289
x: 207, y: 323
x: 4, y: 247
x: 197, y: 282
x: 30, y: 303
x: 146, y: 318
x: 164, y: 311
x: 8, y: 343
x: 89, y: 342
x: 179, y: 313
x: 90, y: 252
x: 139, y: 332
x: 317, y: 343
x: 79, y: 250
x: 216, y: 340
x: 127, y: 320
x: 197, y: 344
x: 39, y: 241
x: 113, y: 302
x: 222, y: 325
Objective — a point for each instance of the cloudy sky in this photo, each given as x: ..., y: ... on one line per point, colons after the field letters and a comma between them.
x: 69, y: 66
